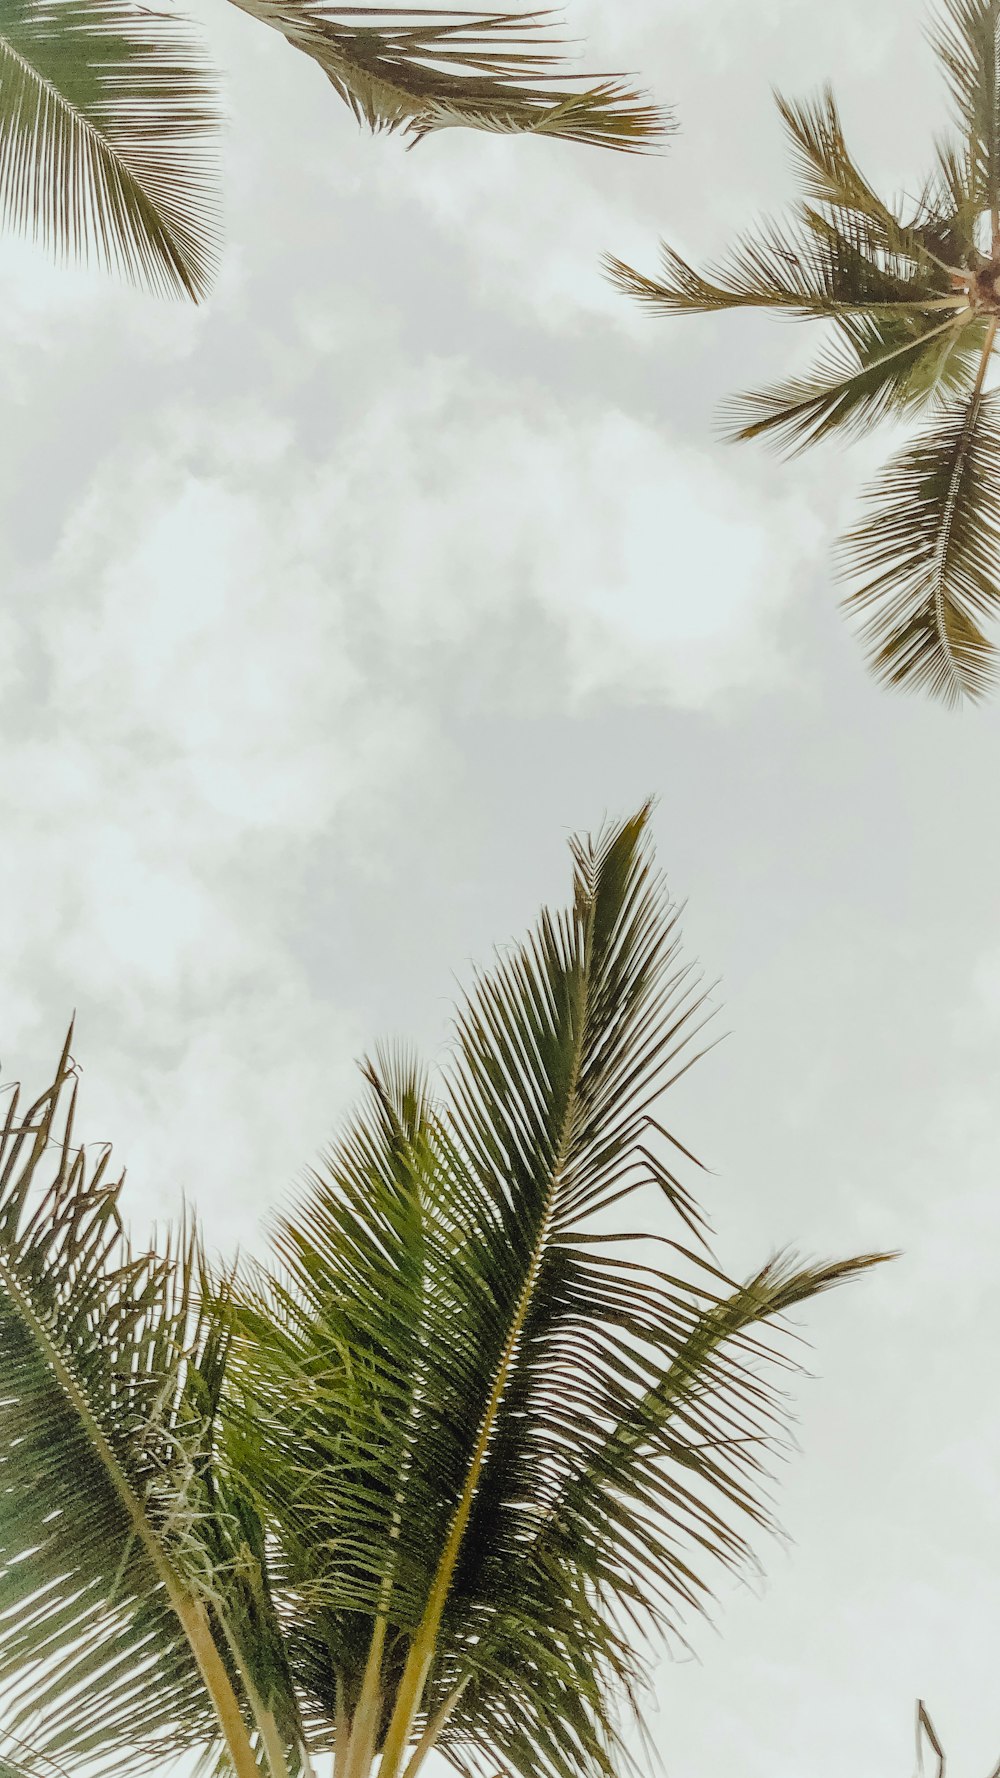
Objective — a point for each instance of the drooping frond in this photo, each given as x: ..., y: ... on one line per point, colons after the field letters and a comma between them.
x: 879, y: 368
x: 106, y: 1650
x: 105, y: 114
x: 966, y: 37
x: 399, y: 68
x: 589, y: 1510
x: 927, y: 556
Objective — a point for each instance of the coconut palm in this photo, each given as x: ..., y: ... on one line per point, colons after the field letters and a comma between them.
x: 911, y: 295
x: 426, y: 1477
x: 108, y: 110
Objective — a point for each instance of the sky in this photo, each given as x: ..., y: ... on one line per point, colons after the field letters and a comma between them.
x: 333, y: 607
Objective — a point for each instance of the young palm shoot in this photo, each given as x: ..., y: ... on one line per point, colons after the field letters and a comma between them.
x: 426, y: 1479
x: 910, y: 293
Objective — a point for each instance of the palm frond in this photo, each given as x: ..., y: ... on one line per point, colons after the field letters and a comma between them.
x: 451, y: 1357
x: 881, y: 368
x: 947, y: 222
x: 105, y: 1644
x: 421, y: 1481
x: 828, y: 173
x: 911, y: 291
x: 624, y: 1542
x: 927, y: 556
x: 105, y: 114
x: 966, y: 38
x: 823, y: 265
x: 941, y: 232
x: 398, y: 68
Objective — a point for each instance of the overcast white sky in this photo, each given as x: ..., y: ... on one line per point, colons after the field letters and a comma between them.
x: 330, y: 609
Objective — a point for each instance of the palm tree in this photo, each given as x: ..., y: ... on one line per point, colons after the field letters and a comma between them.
x: 911, y: 292
x: 426, y: 1478
x: 108, y: 110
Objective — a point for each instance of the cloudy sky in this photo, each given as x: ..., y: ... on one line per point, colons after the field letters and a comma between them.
x: 331, y: 608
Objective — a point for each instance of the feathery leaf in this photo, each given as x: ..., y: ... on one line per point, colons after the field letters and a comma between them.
x: 883, y: 367
x: 105, y: 1642
x: 966, y: 40
x: 399, y: 68
x: 105, y: 114
x: 489, y: 1439
x: 822, y: 266
x: 928, y: 551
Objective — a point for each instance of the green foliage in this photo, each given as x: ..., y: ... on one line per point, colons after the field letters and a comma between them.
x: 108, y: 112
x: 114, y: 1533
x: 96, y: 1435
x: 909, y: 296
x: 926, y: 554
x: 432, y: 1472
x: 420, y: 70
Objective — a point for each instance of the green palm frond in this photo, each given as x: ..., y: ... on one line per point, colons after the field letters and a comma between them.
x: 822, y: 265
x: 328, y: 1362
x: 927, y: 555
x: 564, y: 1603
x: 487, y: 1437
x: 948, y: 220
x: 416, y: 70
x: 420, y: 1482
x: 106, y: 111
x: 881, y: 368
x: 827, y: 171
x: 106, y: 1645
x: 967, y: 40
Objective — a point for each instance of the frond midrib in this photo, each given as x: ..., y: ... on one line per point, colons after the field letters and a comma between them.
x: 76, y: 1395
x: 422, y: 1650
x: 187, y: 1608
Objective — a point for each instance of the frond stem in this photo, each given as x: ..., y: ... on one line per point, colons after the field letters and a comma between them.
x: 422, y: 1649
x: 432, y: 1732
x: 365, y: 1723
x: 263, y: 1716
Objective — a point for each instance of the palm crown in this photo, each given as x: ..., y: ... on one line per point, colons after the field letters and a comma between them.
x: 911, y: 291
x: 420, y: 1480
x: 108, y: 111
